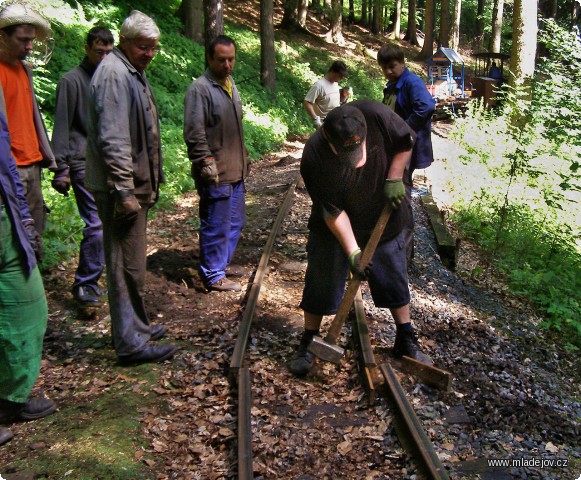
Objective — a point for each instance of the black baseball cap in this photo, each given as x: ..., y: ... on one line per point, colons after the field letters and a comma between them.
x: 339, y: 67
x: 345, y: 128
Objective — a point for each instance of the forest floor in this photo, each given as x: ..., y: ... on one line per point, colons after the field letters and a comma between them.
x: 515, y: 395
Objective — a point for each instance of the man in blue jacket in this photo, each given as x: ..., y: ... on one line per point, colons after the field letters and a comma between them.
x: 406, y: 94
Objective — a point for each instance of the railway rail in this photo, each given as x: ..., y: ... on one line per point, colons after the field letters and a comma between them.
x: 376, y: 379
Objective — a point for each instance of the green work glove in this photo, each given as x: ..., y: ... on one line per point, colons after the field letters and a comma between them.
x: 394, y: 191
x: 355, y: 265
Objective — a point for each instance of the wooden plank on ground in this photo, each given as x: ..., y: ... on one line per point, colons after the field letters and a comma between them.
x: 427, y: 374
x: 446, y: 243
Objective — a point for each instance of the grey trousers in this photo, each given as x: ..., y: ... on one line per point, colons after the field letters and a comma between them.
x: 125, y: 258
x: 30, y: 176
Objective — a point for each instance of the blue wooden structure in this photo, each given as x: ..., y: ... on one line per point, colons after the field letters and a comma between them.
x: 446, y: 65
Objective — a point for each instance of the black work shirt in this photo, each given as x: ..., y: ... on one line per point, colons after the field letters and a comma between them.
x: 335, y: 188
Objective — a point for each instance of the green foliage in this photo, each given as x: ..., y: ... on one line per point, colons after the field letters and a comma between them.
x: 268, y: 118
x: 520, y: 182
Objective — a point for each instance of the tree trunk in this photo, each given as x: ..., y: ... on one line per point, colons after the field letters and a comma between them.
x: 428, y: 48
x: 336, y: 22
x: 412, y: 34
x: 386, y: 17
x: 302, y: 12
x: 290, y: 16
x: 455, y: 30
x: 376, y: 26
x: 214, y: 20
x: 316, y: 4
x: 351, y: 11
x: 524, y: 43
x: 191, y: 12
x: 397, y: 21
x: 479, y: 40
x: 444, y: 34
x: 267, y: 57
x: 364, y: 12
x: 495, y: 35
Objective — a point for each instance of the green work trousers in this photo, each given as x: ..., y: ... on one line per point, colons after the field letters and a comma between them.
x: 23, y: 319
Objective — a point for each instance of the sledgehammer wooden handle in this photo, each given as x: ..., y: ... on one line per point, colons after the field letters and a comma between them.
x: 343, y: 310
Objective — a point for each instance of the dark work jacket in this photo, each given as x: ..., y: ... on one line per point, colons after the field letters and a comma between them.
x: 13, y: 198
x: 69, y: 136
x: 120, y: 139
x: 213, y: 128
x: 416, y: 106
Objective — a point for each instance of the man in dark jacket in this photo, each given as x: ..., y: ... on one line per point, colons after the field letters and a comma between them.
x: 215, y: 141
x: 23, y: 309
x: 124, y: 171
x: 407, y: 95
x: 69, y: 141
x: 30, y: 147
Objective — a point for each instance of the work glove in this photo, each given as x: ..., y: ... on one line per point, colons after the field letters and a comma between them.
x: 355, y: 266
x: 61, y: 182
x: 209, y: 171
x: 34, y: 238
x: 126, y: 208
x: 394, y: 191
x: 317, y: 122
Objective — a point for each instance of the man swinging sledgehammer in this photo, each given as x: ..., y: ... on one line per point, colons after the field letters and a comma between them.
x: 352, y: 166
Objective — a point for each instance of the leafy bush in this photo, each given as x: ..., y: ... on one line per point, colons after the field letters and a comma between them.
x: 518, y: 185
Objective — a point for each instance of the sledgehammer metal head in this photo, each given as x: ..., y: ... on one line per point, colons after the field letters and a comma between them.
x: 326, y: 351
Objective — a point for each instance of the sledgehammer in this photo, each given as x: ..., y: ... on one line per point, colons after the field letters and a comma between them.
x: 327, y: 349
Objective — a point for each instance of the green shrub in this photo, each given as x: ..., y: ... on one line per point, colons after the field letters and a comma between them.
x: 518, y: 185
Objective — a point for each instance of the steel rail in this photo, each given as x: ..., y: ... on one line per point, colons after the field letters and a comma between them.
x: 238, y: 372
x: 237, y: 359
x: 410, y: 431
x: 245, y: 471
x: 365, y: 357
x: 408, y: 427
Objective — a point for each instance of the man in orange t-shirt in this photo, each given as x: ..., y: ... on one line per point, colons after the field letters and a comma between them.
x: 29, y: 144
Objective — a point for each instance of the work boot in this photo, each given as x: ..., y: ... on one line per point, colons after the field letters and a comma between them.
x: 225, y: 285
x: 406, y: 343
x: 150, y: 354
x: 303, y: 360
x: 32, y: 409
x: 5, y: 435
x: 157, y: 332
x: 87, y: 296
x: 301, y: 363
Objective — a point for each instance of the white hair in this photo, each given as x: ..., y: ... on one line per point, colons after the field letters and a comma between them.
x: 137, y: 25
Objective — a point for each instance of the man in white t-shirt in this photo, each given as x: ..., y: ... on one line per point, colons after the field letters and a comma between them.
x: 324, y: 95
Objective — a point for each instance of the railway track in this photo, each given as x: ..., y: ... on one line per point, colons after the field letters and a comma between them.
x: 377, y: 380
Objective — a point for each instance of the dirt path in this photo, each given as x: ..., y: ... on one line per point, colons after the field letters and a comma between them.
x: 515, y: 395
